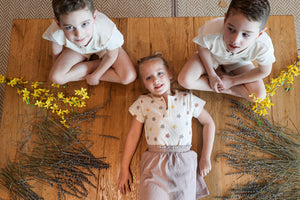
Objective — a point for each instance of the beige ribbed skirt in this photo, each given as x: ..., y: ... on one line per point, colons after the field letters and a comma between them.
x: 170, y: 173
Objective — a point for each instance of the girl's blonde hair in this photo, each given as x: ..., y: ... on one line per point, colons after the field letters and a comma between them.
x: 157, y: 55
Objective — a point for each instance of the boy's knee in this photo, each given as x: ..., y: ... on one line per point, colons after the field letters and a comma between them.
x: 184, y: 82
x: 261, y: 94
x: 57, y: 79
x: 129, y: 78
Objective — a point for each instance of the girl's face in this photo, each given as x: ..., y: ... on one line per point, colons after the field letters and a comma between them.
x: 78, y: 26
x: 239, y: 32
x: 156, y: 77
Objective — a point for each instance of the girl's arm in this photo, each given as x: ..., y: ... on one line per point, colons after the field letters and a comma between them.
x: 133, y: 137
x: 56, y: 50
x: 208, y: 140
x: 107, y: 61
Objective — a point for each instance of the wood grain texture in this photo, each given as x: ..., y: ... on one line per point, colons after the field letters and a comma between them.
x: 30, y: 57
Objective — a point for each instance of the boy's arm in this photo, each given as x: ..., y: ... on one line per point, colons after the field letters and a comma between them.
x: 208, y: 140
x: 56, y: 50
x: 206, y: 59
x: 107, y: 61
x: 255, y: 74
x: 133, y: 137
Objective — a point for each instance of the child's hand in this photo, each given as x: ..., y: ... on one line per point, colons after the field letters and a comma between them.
x: 204, y: 166
x: 227, y: 82
x: 124, y: 181
x: 92, y: 80
x: 216, y: 83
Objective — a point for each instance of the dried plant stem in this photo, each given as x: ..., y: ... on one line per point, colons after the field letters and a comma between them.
x: 268, y: 153
x: 60, y: 157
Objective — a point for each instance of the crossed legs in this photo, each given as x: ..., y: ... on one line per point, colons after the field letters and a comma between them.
x: 193, y: 76
x: 72, y: 66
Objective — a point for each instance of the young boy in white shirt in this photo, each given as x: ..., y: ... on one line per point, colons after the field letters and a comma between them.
x: 226, y: 48
x: 77, y: 32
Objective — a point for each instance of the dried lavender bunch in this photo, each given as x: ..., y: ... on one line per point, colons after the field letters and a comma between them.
x: 13, y: 179
x: 268, y: 153
x: 60, y: 157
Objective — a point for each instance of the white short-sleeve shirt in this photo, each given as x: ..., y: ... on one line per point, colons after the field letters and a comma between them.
x: 106, y: 36
x: 210, y: 36
x: 167, y: 124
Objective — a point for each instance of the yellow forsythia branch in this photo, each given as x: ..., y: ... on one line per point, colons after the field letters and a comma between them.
x: 43, y: 98
x: 286, y: 77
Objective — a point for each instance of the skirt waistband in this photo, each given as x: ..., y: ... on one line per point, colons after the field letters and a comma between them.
x: 161, y: 148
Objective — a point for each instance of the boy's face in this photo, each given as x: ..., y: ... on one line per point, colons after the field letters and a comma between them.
x: 239, y: 32
x: 78, y: 26
x: 156, y: 77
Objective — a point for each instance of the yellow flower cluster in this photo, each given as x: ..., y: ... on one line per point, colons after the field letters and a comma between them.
x: 45, y: 99
x: 286, y: 77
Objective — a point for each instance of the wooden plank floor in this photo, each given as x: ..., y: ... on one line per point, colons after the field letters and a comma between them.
x: 30, y: 57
